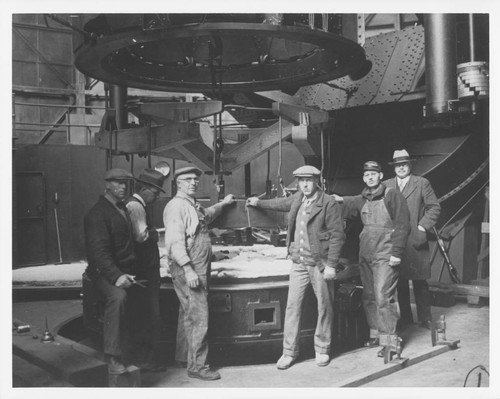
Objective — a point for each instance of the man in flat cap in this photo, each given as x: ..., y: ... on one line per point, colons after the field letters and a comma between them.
x: 146, y: 297
x: 424, y: 214
x: 314, y: 240
x: 386, y: 222
x: 189, y: 249
x: 112, y: 262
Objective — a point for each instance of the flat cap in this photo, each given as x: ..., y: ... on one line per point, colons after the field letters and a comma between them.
x: 117, y: 174
x: 187, y: 169
x: 372, y: 165
x: 306, y: 171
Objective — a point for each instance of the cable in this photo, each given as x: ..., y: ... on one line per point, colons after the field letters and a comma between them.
x: 477, y: 367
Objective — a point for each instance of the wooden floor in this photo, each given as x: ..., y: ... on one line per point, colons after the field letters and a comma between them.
x: 426, y: 366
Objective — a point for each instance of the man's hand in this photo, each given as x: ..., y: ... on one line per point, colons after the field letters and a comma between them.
x: 252, y: 201
x: 329, y: 273
x: 191, y: 277
x: 124, y: 281
x: 228, y: 199
x: 337, y: 198
x: 394, y: 261
x: 421, y: 228
x: 153, y: 235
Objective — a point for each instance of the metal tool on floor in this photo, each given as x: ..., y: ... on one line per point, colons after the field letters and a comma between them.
x: 47, y: 335
x: 438, y: 333
x: 393, y: 347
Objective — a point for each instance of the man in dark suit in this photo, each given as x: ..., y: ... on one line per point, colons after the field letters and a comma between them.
x: 111, y: 261
x: 314, y: 240
x: 424, y: 213
x: 148, y: 187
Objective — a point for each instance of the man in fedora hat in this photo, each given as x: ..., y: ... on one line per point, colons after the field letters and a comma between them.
x: 314, y: 240
x: 424, y: 213
x: 145, y: 297
x: 386, y: 224
x: 112, y: 262
x: 189, y: 249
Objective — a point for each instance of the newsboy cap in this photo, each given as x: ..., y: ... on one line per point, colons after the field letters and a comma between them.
x: 152, y: 178
x: 117, y: 174
x: 372, y: 165
x: 306, y: 171
x: 187, y: 169
x: 400, y: 156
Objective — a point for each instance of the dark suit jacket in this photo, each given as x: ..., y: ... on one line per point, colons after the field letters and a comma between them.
x: 325, y: 227
x: 108, y: 241
x: 424, y: 210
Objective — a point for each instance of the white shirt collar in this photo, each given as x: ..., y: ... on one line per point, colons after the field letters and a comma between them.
x: 403, y: 181
x: 139, y: 198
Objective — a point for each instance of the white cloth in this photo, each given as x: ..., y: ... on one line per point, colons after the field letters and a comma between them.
x: 137, y: 215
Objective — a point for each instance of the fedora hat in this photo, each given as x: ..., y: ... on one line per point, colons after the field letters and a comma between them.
x: 400, y: 156
x: 152, y: 178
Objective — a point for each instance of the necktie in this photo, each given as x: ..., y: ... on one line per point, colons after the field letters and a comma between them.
x: 121, y: 205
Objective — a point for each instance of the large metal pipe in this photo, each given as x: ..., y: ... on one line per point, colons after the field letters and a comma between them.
x: 117, y: 100
x: 471, y: 38
x: 440, y: 62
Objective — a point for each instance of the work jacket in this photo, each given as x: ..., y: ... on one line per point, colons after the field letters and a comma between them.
x: 324, y: 226
x: 109, y: 243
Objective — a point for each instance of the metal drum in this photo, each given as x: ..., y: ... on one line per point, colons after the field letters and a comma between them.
x: 214, y: 52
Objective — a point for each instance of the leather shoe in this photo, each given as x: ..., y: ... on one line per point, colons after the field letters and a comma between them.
x: 115, y: 365
x: 284, y: 362
x: 372, y: 343
x: 381, y: 352
x: 322, y: 359
x: 425, y: 324
x: 204, y: 374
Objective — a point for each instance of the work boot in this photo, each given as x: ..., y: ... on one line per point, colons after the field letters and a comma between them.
x: 115, y: 365
x: 204, y: 374
x: 372, y: 343
x: 285, y: 362
x: 322, y: 359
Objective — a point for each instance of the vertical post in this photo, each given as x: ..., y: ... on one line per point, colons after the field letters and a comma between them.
x: 440, y: 62
x: 471, y: 38
x: 118, y: 99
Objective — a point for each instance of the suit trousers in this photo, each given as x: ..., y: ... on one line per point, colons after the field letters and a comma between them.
x: 422, y: 300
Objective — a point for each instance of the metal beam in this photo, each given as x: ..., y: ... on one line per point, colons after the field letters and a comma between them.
x: 255, y: 146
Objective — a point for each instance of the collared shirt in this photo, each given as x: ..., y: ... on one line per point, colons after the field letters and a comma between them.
x: 402, y: 182
x: 308, y: 201
x: 137, y: 214
x: 115, y: 204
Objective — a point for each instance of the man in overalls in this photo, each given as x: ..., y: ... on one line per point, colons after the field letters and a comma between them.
x: 189, y: 249
x: 386, y: 220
